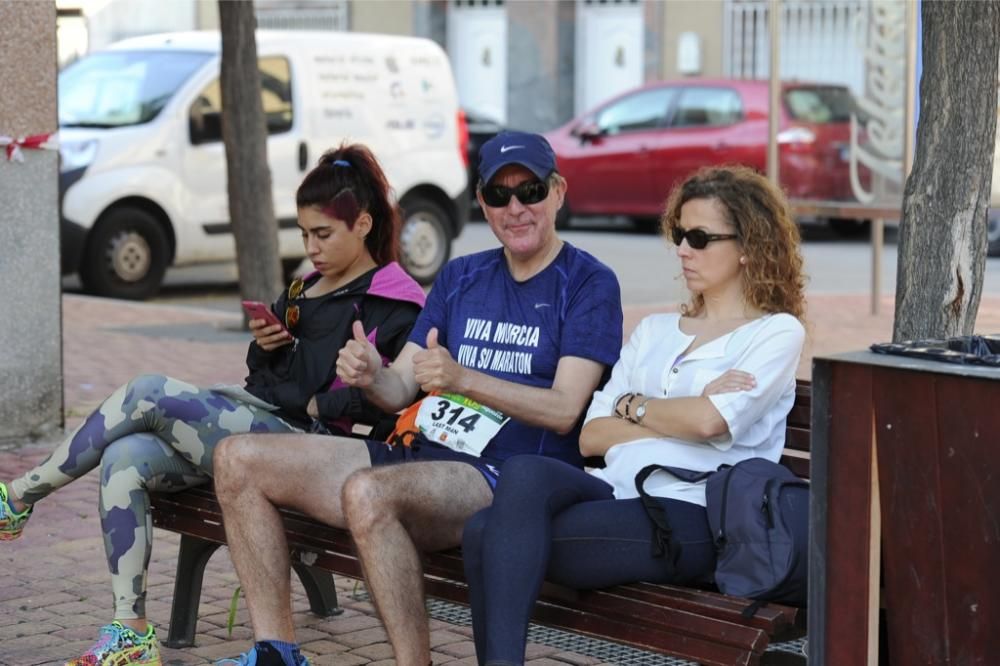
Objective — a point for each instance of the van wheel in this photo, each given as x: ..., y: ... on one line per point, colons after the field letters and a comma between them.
x: 993, y: 234
x: 424, y: 240
x: 126, y: 255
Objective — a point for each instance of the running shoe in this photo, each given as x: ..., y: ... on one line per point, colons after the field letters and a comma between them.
x: 251, y: 659
x: 11, y: 523
x: 119, y: 645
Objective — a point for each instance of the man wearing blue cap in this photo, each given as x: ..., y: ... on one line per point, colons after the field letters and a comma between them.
x: 509, y: 348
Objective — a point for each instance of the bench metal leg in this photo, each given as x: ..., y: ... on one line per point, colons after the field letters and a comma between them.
x: 191, y: 561
x: 320, y: 589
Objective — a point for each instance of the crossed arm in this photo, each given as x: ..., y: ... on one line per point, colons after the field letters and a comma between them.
x: 693, y: 419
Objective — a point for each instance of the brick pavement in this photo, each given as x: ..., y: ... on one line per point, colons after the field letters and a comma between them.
x: 56, y: 591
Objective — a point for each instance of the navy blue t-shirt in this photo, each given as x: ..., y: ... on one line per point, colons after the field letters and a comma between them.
x: 518, y: 331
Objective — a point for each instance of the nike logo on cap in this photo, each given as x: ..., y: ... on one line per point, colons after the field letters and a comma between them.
x: 504, y: 149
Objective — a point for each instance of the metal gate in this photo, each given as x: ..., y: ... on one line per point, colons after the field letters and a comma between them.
x: 821, y: 40
x: 328, y: 15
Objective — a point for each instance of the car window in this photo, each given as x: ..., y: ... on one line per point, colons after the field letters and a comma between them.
x: 643, y: 110
x: 707, y: 106
x: 205, y: 114
x: 827, y: 104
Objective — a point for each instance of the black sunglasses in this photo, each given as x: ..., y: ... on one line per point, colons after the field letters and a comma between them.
x: 528, y: 192
x: 698, y: 239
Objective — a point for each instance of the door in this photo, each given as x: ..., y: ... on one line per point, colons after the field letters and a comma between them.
x: 609, y: 51
x: 609, y: 169
x: 477, y: 46
x: 203, y: 167
x: 705, y: 128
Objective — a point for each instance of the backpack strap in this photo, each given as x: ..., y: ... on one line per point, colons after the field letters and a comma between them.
x: 664, y: 543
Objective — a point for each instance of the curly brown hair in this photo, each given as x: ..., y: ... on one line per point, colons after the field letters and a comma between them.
x: 773, y: 280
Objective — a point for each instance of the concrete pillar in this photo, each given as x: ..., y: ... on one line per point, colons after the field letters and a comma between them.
x: 31, y: 402
x: 540, y: 41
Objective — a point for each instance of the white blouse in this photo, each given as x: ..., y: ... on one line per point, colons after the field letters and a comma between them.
x: 651, y: 364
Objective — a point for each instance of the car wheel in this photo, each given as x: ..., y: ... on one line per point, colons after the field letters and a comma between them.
x: 993, y: 234
x: 848, y: 228
x: 126, y: 255
x: 646, y: 225
x: 425, y: 243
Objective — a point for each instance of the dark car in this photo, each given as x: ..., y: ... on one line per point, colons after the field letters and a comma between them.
x: 624, y: 157
x: 481, y: 129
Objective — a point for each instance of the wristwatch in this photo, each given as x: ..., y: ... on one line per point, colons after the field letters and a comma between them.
x: 640, y: 411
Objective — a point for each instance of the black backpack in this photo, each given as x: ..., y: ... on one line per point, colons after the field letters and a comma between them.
x: 758, y: 511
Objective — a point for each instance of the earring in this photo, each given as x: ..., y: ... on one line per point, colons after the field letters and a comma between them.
x: 743, y: 260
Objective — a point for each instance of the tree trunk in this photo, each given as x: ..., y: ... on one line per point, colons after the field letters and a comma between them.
x: 244, y: 132
x: 942, y: 241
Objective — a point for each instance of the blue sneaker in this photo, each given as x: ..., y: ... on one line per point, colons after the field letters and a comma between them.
x: 256, y: 658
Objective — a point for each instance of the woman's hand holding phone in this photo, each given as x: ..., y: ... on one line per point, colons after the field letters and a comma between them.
x: 265, y: 327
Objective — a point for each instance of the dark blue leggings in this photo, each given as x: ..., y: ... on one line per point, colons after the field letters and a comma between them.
x: 550, y: 520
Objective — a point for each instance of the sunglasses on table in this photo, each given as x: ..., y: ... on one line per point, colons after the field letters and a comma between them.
x: 698, y: 239
x: 296, y: 290
x: 529, y: 192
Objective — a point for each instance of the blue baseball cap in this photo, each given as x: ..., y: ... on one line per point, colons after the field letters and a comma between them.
x: 532, y: 151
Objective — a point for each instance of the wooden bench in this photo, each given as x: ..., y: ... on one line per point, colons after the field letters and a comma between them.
x: 700, y: 625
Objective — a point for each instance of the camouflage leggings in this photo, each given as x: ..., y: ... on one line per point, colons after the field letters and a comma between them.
x: 153, y: 434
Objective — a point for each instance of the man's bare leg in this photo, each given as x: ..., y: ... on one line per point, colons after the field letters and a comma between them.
x: 254, y: 474
x: 396, y: 511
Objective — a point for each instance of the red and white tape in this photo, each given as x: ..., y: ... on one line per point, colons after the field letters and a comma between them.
x: 13, y: 146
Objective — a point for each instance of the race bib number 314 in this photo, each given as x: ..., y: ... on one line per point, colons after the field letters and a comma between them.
x: 459, y: 423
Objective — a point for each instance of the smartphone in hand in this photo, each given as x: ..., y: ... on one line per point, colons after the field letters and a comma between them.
x: 258, y: 310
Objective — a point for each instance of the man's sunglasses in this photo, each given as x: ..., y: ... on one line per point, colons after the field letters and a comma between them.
x: 529, y: 192
x: 698, y: 239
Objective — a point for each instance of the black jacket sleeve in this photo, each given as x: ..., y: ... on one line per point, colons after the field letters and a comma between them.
x: 390, y: 339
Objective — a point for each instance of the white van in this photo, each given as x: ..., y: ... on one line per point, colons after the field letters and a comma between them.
x: 143, y: 171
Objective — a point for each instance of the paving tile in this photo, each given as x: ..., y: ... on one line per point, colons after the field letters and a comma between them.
x: 324, y: 646
x: 375, y: 652
x: 356, y: 639
x: 342, y: 659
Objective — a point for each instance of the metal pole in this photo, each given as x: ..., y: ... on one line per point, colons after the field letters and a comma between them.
x: 774, y: 110
x: 878, y: 238
x: 909, y: 135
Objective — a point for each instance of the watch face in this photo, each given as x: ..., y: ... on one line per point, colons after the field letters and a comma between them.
x: 640, y: 411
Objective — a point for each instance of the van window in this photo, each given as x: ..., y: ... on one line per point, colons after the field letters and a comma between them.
x: 120, y: 88
x: 643, y: 110
x: 707, y: 106
x: 205, y: 115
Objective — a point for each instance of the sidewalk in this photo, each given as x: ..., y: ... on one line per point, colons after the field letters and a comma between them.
x: 56, y: 591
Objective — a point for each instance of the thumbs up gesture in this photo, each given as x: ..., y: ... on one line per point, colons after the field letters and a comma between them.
x: 435, y: 369
x: 358, y: 361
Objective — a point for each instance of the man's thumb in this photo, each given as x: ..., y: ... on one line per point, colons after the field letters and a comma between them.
x: 432, y: 338
x: 359, y: 332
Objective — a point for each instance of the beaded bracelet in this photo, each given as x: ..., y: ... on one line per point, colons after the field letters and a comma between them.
x: 614, y: 405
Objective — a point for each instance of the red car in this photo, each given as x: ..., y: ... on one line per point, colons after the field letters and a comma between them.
x: 624, y: 157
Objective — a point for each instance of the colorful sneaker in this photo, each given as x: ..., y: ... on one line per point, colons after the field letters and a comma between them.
x: 11, y: 523
x: 121, y: 646
x: 255, y: 658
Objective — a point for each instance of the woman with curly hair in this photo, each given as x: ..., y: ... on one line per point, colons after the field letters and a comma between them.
x: 708, y: 386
